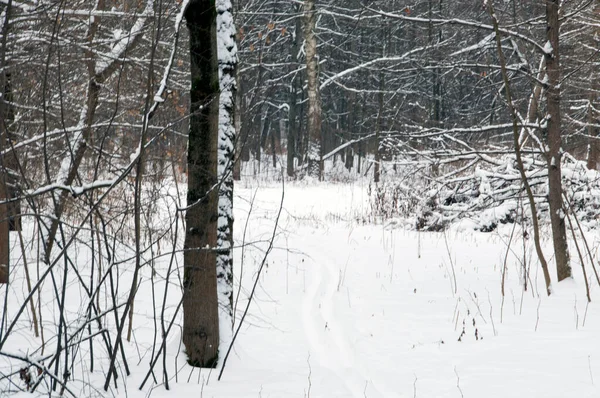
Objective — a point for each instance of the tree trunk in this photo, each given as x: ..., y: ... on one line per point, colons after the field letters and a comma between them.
x: 4, y: 115
x: 557, y: 213
x: 315, y: 163
x: 239, y: 143
x: 292, y: 132
x: 593, y: 152
x: 377, y: 166
x: 4, y: 208
x: 293, y: 106
x: 10, y: 161
x: 275, y: 139
x: 594, y: 105
x: 227, y: 53
x: 200, y: 302
x: 376, y: 169
x: 351, y: 130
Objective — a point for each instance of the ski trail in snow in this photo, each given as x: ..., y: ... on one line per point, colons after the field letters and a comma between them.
x: 327, y: 336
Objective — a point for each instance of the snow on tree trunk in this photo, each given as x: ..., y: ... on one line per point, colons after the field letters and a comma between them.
x: 315, y: 166
x: 227, y: 54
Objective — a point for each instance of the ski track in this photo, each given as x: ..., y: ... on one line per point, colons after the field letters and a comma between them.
x: 327, y: 336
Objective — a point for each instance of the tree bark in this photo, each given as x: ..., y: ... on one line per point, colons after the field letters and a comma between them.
x: 315, y: 163
x: 227, y: 53
x: 557, y: 212
x: 593, y: 152
x: 200, y: 302
x: 239, y: 143
x: 376, y: 170
x: 292, y: 132
x: 594, y: 105
x: 4, y: 144
x: 293, y: 106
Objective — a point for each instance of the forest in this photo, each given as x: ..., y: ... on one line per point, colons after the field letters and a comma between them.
x: 299, y: 198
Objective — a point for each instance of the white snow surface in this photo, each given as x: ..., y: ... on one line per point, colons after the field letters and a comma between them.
x: 548, y: 47
x: 346, y: 308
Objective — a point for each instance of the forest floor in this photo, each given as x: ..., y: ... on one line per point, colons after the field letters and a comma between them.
x: 350, y: 308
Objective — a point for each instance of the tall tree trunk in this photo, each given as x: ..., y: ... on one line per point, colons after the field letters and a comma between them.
x: 301, y: 139
x: 593, y: 151
x: 292, y: 132
x: 315, y: 163
x: 4, y: 145
x: 377, y: 166
x: 293, y: 105
x: 557, y: 212
x: 350, y: 130
x: 227, y: 53
x: 274, y: 139
x: 237, y: 121
x: 10, y: 160
x: 200, y: 301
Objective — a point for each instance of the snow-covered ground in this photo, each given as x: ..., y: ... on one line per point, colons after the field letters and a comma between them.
x: 346, y: 308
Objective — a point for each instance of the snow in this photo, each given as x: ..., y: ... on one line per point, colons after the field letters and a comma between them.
x: 548, y: 48
x: 227, y: 59
x: 348, y: 308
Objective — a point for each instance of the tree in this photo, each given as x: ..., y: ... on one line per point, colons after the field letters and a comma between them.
x: 227, y: 53
x: 555, y: 192
x: 293, y: 131
x: 4, y: 148
x: 315, y: 163
x: 200, y: 301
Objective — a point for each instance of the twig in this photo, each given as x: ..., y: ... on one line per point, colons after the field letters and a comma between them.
x: 309, y: 376
x: 491, y: 313
x: 504, y: 266
x: 590, y: 369
x: 458, y: 383
x: 415, y: 387
x: 537, y: 320
x: 237, y: 296
x: 585, y: 277
x: 451, y: 262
